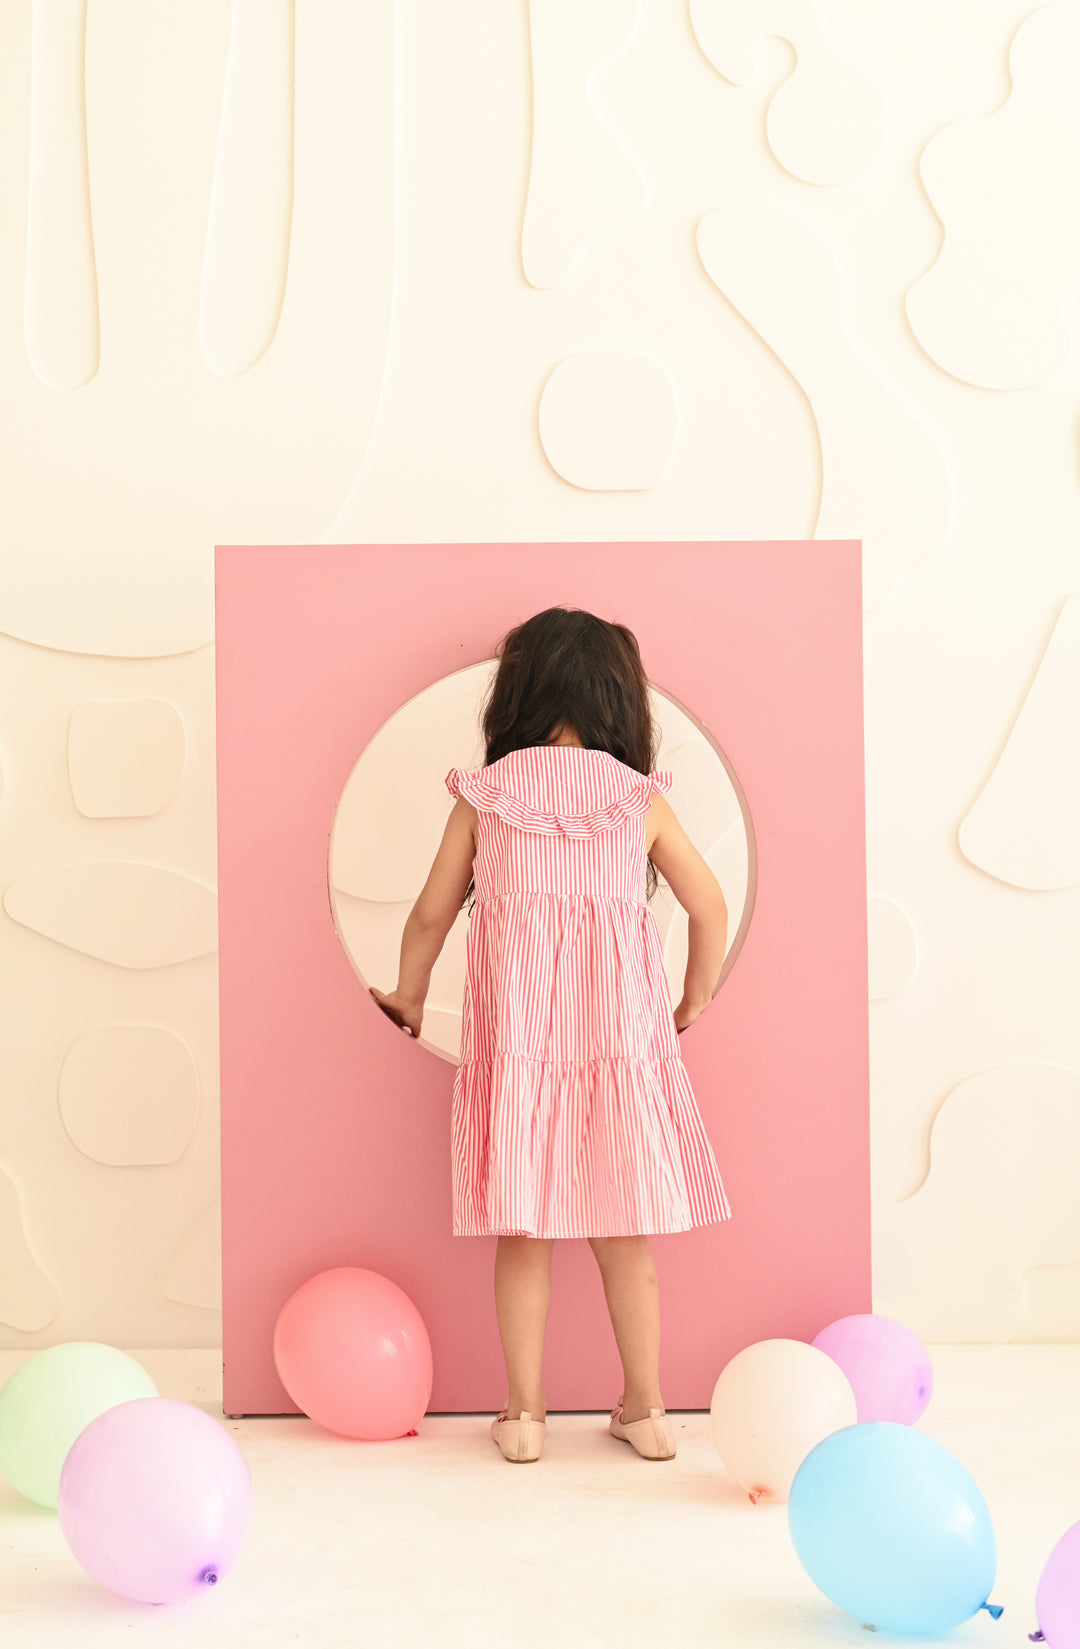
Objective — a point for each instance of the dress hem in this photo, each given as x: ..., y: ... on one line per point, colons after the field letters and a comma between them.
x: 569, y: 1236
x: 597, y: 1059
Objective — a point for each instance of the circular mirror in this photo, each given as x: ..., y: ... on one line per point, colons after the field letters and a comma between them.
x: 390, y: 818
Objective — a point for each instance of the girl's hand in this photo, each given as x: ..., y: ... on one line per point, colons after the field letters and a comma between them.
x: 404, y: 1013
x: 687, y: 1012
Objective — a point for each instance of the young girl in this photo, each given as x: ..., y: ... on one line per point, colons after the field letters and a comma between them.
x: 572, y: 1112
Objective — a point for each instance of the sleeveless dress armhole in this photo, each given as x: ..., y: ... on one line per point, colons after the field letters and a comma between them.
x: 487, y: 796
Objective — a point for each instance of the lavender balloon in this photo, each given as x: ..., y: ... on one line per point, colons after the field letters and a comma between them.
x: 155, y: 1499
x: 888, y: 1367
x: 1057, y: 1597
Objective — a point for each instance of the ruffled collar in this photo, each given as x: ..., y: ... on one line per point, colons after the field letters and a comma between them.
x: 580, y: 796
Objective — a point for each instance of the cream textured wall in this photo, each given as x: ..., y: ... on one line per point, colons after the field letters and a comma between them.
x: 500, y: 270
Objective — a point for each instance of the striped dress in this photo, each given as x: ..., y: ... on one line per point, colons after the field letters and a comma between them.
x: 572, y: 1113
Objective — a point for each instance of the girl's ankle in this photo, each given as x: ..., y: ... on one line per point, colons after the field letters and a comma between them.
x: 642, y: 1406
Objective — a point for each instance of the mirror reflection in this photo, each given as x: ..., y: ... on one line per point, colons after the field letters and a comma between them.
x: 391, y: 814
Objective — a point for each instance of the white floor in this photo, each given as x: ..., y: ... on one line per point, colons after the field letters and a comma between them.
x: 436, y: 1541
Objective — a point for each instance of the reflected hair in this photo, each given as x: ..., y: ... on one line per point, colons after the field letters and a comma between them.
x: 567, y: 670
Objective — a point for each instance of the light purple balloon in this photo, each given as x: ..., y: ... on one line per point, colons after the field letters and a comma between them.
x: 888, y: 1367
x: 1057, y: 1597
x: 155, y: 1499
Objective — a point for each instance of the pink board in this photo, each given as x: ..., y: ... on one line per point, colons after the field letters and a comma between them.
x: 335, y: 1129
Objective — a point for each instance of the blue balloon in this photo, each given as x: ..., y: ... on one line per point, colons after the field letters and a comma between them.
x: 892, y: 1528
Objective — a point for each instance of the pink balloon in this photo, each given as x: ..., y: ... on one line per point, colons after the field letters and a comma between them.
x: 353, y: 1353
x: 888, y: 1367
x: 155, y: 1499
x: 1057, y: 1597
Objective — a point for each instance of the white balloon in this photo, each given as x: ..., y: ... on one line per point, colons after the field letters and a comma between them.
x: 774, y: 1402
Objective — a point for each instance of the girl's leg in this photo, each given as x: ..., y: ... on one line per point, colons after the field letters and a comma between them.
x: 522, y: 1298
x: 633, y: 1301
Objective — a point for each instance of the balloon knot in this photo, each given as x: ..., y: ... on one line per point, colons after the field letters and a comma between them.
x: 994, y: 1610
x: 1036, y: 1637
x: 210, y: 1576
x: 413, y: 1433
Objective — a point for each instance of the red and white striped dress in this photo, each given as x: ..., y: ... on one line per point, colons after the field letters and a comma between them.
x: 572, y: 1113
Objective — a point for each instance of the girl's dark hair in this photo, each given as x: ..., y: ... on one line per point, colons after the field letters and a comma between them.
x: 567, y: 669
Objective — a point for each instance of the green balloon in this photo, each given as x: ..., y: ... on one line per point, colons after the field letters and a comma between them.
x: 50, y: 1399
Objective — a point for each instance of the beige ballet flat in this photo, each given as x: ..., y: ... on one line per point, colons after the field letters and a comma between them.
x: 520, y: 1440
x: 652, y: 1437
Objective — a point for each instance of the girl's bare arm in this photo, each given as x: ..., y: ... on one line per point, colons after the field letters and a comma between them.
x: 700, y: 895
x: 431, y: 918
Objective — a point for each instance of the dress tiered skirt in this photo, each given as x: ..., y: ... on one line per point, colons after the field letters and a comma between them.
x: 572, y: 1113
